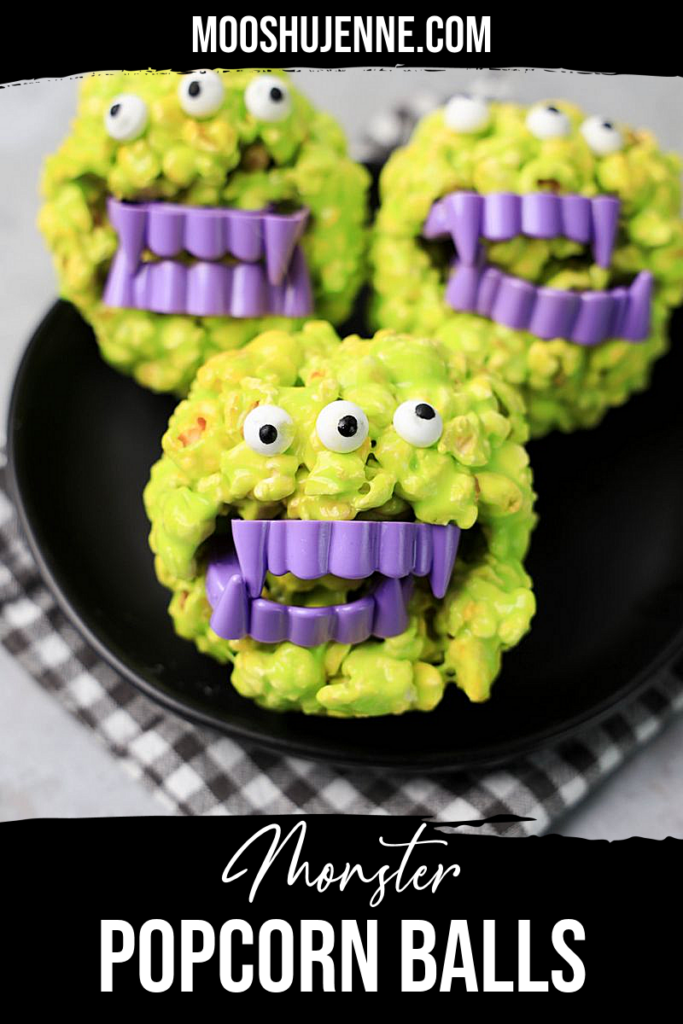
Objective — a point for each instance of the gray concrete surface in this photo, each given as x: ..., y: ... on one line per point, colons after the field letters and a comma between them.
x: 50, y: 764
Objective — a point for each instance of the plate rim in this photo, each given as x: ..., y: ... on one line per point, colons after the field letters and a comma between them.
x: 487, y: 758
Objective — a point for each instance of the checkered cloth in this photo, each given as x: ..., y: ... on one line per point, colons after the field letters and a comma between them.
x: 196, y: 771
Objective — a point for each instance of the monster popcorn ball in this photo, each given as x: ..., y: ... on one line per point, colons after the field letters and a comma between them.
x: 544, y: 244
x: 187, y: 213
x: 346, y: 521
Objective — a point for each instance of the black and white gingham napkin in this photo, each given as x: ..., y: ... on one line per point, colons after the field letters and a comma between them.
x: 196, y: 771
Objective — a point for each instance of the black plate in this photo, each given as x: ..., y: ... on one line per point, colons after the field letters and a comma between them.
x: 607, y: 561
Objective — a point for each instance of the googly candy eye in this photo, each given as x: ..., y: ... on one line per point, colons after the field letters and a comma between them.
x: 547, y: 121
x: 268, y: 98
x: 602, y: 136
x: 467, y: 114
x: 201, y: 93
x: 418, y: 423
x: 268, y: 430
x: 342, y: 426
x: 126, y: 117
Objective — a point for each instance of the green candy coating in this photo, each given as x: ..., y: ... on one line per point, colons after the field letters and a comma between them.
x: 228, y: 159
x: 476, y: 475
x: 565, y: 386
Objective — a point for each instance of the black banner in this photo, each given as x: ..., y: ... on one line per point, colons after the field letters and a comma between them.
x: 237, y: 907
x: 574, y: 40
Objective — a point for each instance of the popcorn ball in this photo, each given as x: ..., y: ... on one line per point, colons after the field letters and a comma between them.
x: 545, y: 245
x: 345, y: 522
x: 188, y: 213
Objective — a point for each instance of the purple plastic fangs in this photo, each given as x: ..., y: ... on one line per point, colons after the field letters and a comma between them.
x: 270, y: 276
x: 500, y: 216
x: 586, y: 318
x: 396, y: 551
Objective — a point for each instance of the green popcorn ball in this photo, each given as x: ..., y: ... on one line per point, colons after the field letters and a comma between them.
x: 483, y: 152
x: 422, y: 437
x: 191, y: 152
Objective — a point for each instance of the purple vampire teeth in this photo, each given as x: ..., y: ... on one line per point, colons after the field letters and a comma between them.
x: 500, y: 216
x: 586, y: 318
x: 394, y: 551
x: 247, y: 263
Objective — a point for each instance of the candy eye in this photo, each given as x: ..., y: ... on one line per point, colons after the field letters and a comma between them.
x: 268, y: 430
x: 467, y: 114
x: 126, y: 117
x: 201, y: 93
x: 602, y: 136
x: 418, y: 423
x: 547, y: 122
x: 342, y: 426
x: 268, y: 98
